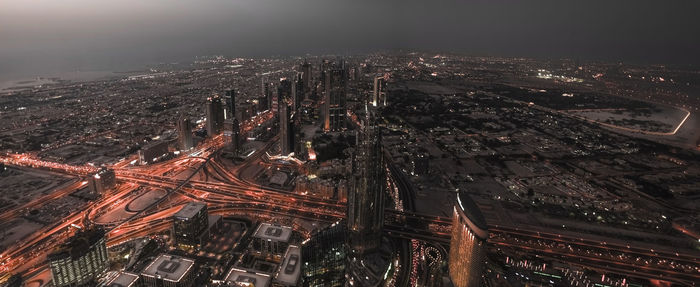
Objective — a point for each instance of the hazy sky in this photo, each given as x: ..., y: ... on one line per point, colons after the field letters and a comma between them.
x: 45, y: 36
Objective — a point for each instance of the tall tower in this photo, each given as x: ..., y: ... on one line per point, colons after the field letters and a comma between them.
x: 366, y: 198
x: 306, y: 77
x: 230, y: 104
x: 379, y: 93
x: 215, y: 115
x: 336, y: 85
x: 80, y: 260
x: 468, y: 243
x: 284, y: 92
x: 235, y: 136
x: 184, y: 133
x: 286, y: 130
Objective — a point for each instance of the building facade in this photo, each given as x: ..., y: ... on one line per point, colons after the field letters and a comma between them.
x: 324, y: 256
x: 184, y: 133
x: 79, y: 261
x: 215, y: 115
x: 468, y: 243
x: 190, y: 225
x: 366, y: 197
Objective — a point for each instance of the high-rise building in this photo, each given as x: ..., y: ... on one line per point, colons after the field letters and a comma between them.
x: 152, y: 151
x: 335, y: 89
x: 235, y: 136
x: 169, y: 271
x: 101, y: 181
x: 286, y: 130
x: 125, y: 279
x: 230, y: 104
x: 284, y: 93
x: 79, y: 261
x: 379, y: 93
x: 271, y: 239
x: 215, y: 115
x: 366, y: 198
x: 190, y: 225
x: 184, y: 133
x: 324, y: 256
x: 306, y: 77
x: 468, y: 243
x: 298, y: 91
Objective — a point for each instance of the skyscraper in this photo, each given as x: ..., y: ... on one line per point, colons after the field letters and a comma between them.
x: 190, y: 225
x: 284, y: 93
x: 215, y: 115
x: 80, y: 260
x: 235, y: 136
x: 184, y: 132
x: 335, y: 86
x: 230, y: 104
x: 468, y: 243
x: 379, y: 93
x: 366, y: 198
x: 324, y: 257
x: 101, y: 181
x: 286, y: 130
x: 306, y: 77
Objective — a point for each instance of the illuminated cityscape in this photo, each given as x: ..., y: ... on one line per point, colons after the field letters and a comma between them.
x: 388, y: 165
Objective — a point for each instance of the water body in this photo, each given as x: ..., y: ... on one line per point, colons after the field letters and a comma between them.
x: 47, y: 37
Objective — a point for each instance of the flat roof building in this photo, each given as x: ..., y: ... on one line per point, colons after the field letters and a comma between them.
x: 269, y: 238
x: 290, y: 269
x: 125, y: 279
x: 247, y: 278
x: 190, y: 225
x: 169, y: 271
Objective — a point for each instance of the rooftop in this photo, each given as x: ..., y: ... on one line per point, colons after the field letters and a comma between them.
x: 247, y: 276
x: 169, y: 267
x: 125, y: 279
x: 471, y: 210
x: 290, y: 269
x: 190, y: 210
x: 273, y: 232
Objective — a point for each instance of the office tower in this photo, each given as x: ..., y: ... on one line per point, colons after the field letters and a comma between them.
x: 80, y: 260
x: 306, y: 77
x: 169, y: 271
x: 269, y: 97
x: 366, y: 198
x: 468, y: 243
x: 101, y: 181
x: 230, y: 104
x: 379, y: 93
x: 125, y: 279
x: 215, y: 115
x: 271, y: 239
x: 152, y: 151
x: 184, y: 133
x: 235, y: 136
x: 190, y: 225
x: 335, y: 89
x: 324, y: 256
x: 298, y: 91
x: 286, y: 130
x: 284, y: 92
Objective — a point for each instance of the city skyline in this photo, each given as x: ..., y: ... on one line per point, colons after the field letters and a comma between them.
x: 311, y: 143
x: 44, y: 39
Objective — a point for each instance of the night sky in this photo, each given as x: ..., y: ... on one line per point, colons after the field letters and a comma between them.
x: 44, y: 36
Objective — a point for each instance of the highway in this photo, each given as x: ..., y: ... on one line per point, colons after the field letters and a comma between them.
x: 232, y: 194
